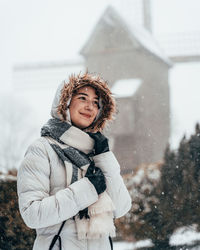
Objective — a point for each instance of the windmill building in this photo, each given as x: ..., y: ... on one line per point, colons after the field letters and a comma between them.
x: 136, y: 67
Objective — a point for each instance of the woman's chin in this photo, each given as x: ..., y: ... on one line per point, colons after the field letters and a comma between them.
x: 82, y: 125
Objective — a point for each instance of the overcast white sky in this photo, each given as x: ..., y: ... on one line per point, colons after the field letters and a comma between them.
x: 33, y: 30
x: 49, y: 30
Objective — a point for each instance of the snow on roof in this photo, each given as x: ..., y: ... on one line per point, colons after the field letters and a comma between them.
x: 139, y: 33
x: 126, y: 87
x: 149, y: 42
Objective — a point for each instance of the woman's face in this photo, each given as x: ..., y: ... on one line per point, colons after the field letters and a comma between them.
x: 84, y: 107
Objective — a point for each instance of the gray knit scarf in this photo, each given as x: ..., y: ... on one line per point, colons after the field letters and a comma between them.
x: 75, y: 148
x: 55, y: 129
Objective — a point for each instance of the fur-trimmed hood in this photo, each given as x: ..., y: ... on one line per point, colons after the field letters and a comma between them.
x: 66, y: 90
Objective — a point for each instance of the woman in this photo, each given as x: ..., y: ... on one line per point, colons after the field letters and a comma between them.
x: 69, y: 182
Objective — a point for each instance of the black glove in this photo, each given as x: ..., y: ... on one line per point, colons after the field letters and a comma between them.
x: 96, y: 177
x: 84, y: 213
x: 101, y: 143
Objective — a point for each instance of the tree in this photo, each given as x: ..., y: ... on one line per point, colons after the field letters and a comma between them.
x: 141, y: 186
x: 168, y: 203
x: 13, y: 232
x: 161, y: 220
x: 178, y: 192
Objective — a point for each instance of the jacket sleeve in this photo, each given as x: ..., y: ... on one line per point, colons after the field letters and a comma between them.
x: 115, y: 184
x: 40, y: 209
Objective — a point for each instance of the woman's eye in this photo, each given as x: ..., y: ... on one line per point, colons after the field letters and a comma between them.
x: 82, y: 98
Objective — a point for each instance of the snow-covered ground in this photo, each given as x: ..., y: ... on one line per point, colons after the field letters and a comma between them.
x: 131, y: 245
x: 183, y: 236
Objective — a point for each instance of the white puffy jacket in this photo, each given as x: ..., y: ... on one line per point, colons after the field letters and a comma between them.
x: 45, y: 202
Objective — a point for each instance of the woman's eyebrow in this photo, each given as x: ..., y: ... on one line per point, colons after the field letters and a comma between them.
x: 80, y: 93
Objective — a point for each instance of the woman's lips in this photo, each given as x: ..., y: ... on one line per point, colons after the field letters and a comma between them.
x: 86, y: 115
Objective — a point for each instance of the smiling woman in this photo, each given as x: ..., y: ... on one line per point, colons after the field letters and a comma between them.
x: 69, y: 177
x: 84, y: 107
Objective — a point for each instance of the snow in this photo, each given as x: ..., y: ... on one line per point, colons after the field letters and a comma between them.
x: 185, y: 236
x: 182, y: 236
x: 140, y: 34
x: 137, y: 179
x: 5, y: 177
x: 149, y: 42
x: 132, y: 245
x: 123, y: 245
x: 153, y: 173
x: 181, y: 44
x: 132, y: 85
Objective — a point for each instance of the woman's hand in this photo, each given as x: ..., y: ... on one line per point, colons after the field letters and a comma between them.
x: 84, y: 214
x: 96, y: 177
x: 101, y: 143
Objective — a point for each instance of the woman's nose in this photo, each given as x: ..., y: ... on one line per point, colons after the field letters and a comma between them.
x: 89, y: 105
